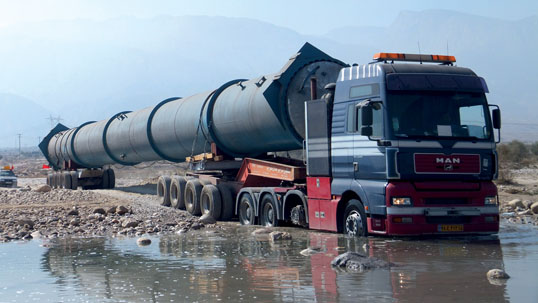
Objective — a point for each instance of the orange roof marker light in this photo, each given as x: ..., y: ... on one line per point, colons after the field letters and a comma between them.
x: 414, y: 58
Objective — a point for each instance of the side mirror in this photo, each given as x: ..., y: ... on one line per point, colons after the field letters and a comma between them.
x: 366, y: 131
x: 496, y: 116
x: 367, y: 117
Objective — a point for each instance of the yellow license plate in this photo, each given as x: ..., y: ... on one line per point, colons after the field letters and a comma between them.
x: 450, y: 227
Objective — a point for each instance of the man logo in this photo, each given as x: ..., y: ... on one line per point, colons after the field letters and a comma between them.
x: 449, y: 167
x: 448, y: 160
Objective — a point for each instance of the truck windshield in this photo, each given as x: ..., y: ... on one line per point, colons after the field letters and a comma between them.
x: 450, y: 115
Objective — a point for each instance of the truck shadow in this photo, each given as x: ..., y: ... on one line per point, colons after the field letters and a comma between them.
x: 145, y: 189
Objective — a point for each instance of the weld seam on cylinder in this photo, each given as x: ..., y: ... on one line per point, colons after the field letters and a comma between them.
x: 105, y: 144
x: 209, y: 115
x: 75, y: 156
x: 150, y: 136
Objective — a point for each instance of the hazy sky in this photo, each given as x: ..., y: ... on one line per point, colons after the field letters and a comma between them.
x: 307, y: 17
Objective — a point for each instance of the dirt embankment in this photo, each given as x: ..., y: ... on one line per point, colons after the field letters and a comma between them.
x: 27, y: 213
x: 519, y: 197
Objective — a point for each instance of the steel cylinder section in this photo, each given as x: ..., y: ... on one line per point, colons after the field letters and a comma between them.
x: 242, y: 117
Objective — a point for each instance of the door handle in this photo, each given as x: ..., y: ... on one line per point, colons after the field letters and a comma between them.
x: 355, y: 166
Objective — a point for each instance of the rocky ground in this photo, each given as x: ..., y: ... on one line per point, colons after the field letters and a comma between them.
x: 519, y: 198
x: 132, y: 209
x: 36, y: 211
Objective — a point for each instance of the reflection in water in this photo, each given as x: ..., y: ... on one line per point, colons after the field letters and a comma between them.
x: 238, y: 266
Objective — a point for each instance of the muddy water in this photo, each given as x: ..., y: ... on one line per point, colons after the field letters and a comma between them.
x: 236, y: 266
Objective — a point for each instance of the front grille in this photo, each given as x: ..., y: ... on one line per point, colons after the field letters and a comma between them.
x: 446, y: 201
x: 448, y: 220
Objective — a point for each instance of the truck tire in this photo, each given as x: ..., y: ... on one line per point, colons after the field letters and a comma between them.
x: 57, y: 180
x: 111, y: 178
x: 268, y: 215
x: 193, y: 191
x: 228, y: 202
x: 49, y: 179
x: 163, y: 190
x: 210, y: 201
x: 177, y: 192
x: 105, y: 180
x: 74, y: 180
x: 66, y: 180
x: 247, y: 212
x: 354, y: 221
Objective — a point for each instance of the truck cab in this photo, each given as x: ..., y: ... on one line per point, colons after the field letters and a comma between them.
x: 413, y: 148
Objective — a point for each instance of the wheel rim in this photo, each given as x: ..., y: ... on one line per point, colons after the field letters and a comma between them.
x: 246, y: 213
x: 268, y: 214
x: 354, y: 223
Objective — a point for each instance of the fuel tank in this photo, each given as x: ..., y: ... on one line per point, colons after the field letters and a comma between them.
x: 242, y: 117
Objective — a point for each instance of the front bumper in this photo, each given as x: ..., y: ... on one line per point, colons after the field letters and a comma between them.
x: 423, y: 218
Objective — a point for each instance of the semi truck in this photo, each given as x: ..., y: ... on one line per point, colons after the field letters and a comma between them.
x: 402, y: 145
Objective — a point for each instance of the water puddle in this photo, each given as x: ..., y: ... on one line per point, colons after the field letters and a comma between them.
x: 233, y: 265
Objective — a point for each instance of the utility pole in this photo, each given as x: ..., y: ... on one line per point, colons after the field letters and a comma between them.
x: 20, y: 135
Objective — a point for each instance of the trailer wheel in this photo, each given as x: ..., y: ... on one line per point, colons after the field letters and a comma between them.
x: 111, y: 178
x: 177, y: 192
x: 228, y: 202
x: 210, y: 201
x: 66, y: 180
x: 49, y: 179
x: 163, y: 190
x: 268, y: 211
x: 247, y: 213
x: 105, y: 180
x: 355, y: 219
x: 193, y: 191
x: 57, y: 180
x: 74, y: 180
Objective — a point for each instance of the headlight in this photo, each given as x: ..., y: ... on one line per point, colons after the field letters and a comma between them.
x: 491, y: 201
x: 401, y: 201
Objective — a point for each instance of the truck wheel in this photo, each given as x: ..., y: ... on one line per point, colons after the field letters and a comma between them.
x: 210, y: 201
x: 247, y: 213
x: 228, y: 202
x: 355, y: 219
x: 57, y: 180
x: 105, y: 180
x: 177, y: 192
x: 49, y: 179
x: 74, y: 180
x: 163, y: 190
x: 66, y: 180
x: 268, y: 216
x: 111, y: 178
x: 193, y: 191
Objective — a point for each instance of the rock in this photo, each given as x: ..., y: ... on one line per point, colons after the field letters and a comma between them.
x: 121, y: 210
x: 279, y: 236
x: 73, y: 212
x: 207, y: 219
x: 111, y: 210
x: 24, y: 222
x: 262, y: 231
x: 534, y: 208
x: 524, y: 213
x: 43, y: 189
x: 75, y: 222
x: 356, y: 262
x: 516, y: 203
x: 25, y: 189
x: 196, y: 226
x: 143, y: 242
x: 36, y: 234
x: 99, y: 210
x: 310, y: 251
x: 497, y: 274
x: 129, y: 223
x: 527, y: 203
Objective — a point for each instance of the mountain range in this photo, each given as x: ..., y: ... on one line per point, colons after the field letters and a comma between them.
x: 89, y: 70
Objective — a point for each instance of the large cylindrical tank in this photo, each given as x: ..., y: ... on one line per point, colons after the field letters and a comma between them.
x: 242, y: 117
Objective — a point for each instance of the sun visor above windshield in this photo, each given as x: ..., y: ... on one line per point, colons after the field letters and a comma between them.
x: 442, y: 82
